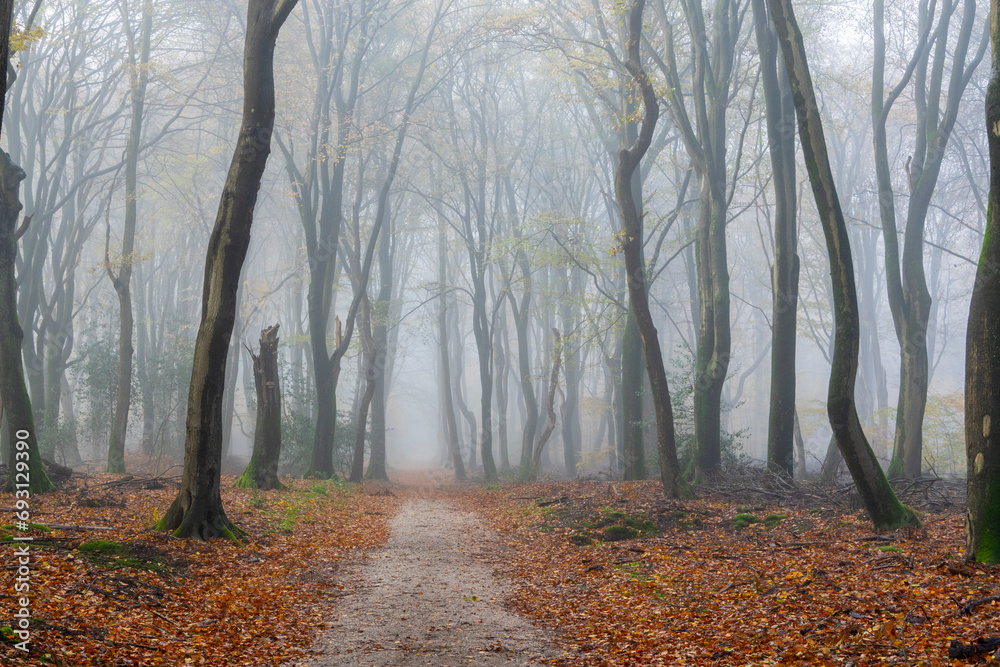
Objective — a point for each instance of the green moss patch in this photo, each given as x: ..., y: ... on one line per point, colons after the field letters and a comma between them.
x: 114, y: 555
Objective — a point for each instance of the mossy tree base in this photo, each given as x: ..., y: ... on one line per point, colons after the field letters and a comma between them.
x: 199, y: 520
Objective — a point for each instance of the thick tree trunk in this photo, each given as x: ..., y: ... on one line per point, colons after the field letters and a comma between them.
x: 780, y: 113
x: 633, y: 448
x: 982, y: 350
x: 197, y: 511
x: 883, y: 507
x: 628, y: 162
x: 138, y: 78
x: 262, y: 470
x: 23, y: 454
x: 18, y: 421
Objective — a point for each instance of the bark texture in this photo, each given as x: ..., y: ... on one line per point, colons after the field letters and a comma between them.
x: 982, y: 350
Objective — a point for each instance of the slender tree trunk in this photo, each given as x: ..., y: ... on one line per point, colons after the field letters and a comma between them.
x: 262, y: 470
x: 446, y: 373
x: 780, y: 113
x: 883, y: 507
x: 380, y: 340
x: 982, y: 350
x: 800, y: 451
x: 197, y: 512
x: 138, y: 78
x: 142, y: 372
x: 628, y: 162
x: 536, y: 456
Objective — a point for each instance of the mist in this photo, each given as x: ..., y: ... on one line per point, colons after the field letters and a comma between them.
x: 439, y: 207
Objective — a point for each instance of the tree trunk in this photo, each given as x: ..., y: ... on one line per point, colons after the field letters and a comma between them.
x: 197, y: 511
x: 801, y: 472
x: 632, y: 241
x: 143, y: 375
x: 380, y: 340
x: 501, y: 367
x: 536, y: 456
x: 18, y: 420
x: 909, y: 299
x: 883, y: 507
x: 780, y: 113
x: 24, y: 458
x: 982, y: 350
x: 262, y: 470
x: 138, y: 78
x: 447, y: 395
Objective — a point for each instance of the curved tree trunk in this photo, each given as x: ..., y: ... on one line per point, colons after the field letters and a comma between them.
x: 982, y: 351
x: 543, y: 438
x: 262, y: 470
x: 883, y: 507
x: 628, y: 162
x: 197, y: 511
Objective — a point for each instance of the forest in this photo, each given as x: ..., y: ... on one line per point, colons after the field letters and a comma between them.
x: 638, y: 332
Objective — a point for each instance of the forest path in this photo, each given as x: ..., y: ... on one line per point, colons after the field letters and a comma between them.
x: 428, y: 598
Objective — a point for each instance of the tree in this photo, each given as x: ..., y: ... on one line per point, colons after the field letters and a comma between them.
x: 632, y: 241
x: 138, y: 80
x: 780, y: 117
x: 262, y: 470
x: 197, y: 512
x: 909, y: 299
x: 982, y: 350
x: 883, y: 507
x: 543, y: 438
x: 451, y: 424
x: 705, y: 140
x: 14, y: 400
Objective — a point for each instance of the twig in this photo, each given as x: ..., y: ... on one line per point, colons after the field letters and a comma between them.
x: 971, y: 607
x: 59, y: 526
x: 164, y: 618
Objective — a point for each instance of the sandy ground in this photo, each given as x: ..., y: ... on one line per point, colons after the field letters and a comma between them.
x: 429, y: 598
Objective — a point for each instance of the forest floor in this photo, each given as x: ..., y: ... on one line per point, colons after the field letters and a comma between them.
x: 566, y: 573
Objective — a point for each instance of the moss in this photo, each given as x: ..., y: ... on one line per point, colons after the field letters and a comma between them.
x: 889, y: 548
x: 619, y: 532
x: 107, y: 554
x: 772, y: 520
x: 581, y: 540
x: 103, y: 548
x: 744, y: 519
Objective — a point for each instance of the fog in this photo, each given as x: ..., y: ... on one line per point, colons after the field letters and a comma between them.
x: 499, y: 224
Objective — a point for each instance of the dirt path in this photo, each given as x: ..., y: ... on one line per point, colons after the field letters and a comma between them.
x: 426, y: 600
